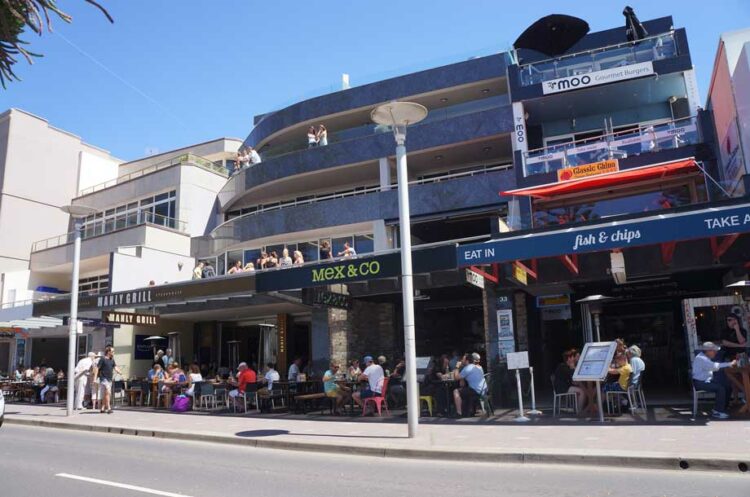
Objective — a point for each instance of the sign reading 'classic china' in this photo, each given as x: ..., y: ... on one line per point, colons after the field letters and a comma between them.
x: 586, y: 170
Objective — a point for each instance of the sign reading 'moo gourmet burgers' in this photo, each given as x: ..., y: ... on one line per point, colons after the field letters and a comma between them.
x: 596, y: 78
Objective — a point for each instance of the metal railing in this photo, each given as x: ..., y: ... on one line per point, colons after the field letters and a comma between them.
x: 372, y: 189
x: 623, y: 54
x: 435, y: 115
x: 109, y: 225
x: 648, y: 138
x: 181, y: 159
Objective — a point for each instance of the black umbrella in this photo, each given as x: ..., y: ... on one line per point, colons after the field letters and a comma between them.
x: 553, y: 35
x: 634, y: 30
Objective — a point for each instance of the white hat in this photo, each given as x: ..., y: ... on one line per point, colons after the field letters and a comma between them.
x: 709, y: 346
x: 475, y: 357
x: 92, y: 355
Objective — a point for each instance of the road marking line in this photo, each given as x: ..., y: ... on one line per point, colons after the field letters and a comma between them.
x: 120, y: 485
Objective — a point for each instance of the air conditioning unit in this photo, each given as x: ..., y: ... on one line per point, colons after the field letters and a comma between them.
x: 617, y: 267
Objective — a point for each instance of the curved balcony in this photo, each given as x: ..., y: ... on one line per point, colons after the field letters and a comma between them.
x: 492, y: 66
x: 444, y: 194
x: 449, y: 130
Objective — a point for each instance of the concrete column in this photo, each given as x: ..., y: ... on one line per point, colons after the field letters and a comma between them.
x: 385, y: 173
x: 320, y: 339
x: 383, y: 235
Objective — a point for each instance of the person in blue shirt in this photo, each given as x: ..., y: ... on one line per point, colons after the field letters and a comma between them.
x: 474, y: 386
x: 704, y: 368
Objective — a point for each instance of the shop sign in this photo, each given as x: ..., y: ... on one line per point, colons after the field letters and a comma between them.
x: 124, y: 298
x: 650, y: 230
x: 6, y: 332
x: 596, y: 78
x: 586, y: 170
x: 112, y: 317
x: 562, y: 313
x: 520, y: 275
x: 332, y: 274
x: 595, y: 360
x: 519, y: 128
x: 518, y: 360
x: 330, y: 299
x: 142, y: 350
x: 474, y: 278
x: 552, y: 300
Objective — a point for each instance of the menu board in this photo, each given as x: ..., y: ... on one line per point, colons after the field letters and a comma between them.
x: 595, y: 361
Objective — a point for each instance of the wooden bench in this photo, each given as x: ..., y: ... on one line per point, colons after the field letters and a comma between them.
x: 307, y: 400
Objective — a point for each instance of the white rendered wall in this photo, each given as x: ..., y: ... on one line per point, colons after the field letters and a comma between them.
x: 131, y: 271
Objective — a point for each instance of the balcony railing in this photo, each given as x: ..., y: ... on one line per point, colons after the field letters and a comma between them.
x: 435, y: 115
x: 624, y: 54
x: 179, y: 160
x: 126, y: 221
x: 650, y: 138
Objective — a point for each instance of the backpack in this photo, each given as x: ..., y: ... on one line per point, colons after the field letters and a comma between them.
x: 181, y: 403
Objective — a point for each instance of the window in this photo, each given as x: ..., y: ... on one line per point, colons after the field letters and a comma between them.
x: 94, y: 285
x: 310, y: 250
x: 161, y: 210
x: 364, y: 244
x: 233, y: 257
x: 252, y: 255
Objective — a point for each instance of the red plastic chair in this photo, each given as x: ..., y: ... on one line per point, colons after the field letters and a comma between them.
x: 378, y: 401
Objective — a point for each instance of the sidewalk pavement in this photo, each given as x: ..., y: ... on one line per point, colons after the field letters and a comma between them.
x: 660, y: 443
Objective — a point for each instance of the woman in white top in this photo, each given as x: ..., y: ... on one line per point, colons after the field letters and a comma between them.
x: 298, y: 259
x: 322, y: 136
x: 312, y: 137
x: 193, y: 378
x: 285, y: 260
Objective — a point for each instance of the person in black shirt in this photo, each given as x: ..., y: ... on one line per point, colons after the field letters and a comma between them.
x: 104, y: 372
x: 433, y: 385
x: 734, y: 338
x: 325, y: 250
x: 563, y: 378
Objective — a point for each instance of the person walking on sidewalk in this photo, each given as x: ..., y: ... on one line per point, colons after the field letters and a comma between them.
x: 82, y: 377
x: 104, y: 372
x: 704, y: 368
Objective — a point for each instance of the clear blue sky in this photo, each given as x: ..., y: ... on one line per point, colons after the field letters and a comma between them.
x: 187, y: 71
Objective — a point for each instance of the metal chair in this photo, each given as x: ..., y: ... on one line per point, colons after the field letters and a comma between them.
x: 698, y: 395
x: 485, y: 402
x: 245, y: 397
x: 562, y: 400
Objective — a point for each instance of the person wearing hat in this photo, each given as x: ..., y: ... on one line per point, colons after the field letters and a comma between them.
x: 374, y: 376
x: 246, y: 378
x: 82, y: 373
x: 704, y: 368
x: 633, y: 354
x: 474, y: 385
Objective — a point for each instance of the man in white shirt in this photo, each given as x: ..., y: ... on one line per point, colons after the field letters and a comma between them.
x: 82, y: 374
x: 703, y: 377
x: 254, y: 156
x: 294, y: 369
x: 269, y: 378
x: 374, y: 376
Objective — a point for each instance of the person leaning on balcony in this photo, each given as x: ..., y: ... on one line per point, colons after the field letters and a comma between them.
x: 253, y: 155
x: 312, y: 137
x: 273, y: 260
x: 325, y: 250
x: 236, y: 268
x: 262, y: 261
x: 285, y: 260
x: 348, y: 251
x: 298, y: 259
x: 322, y: 136
x: 249, y: 267
x: 198, y: 271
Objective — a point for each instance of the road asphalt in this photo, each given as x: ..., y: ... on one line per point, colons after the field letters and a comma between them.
x: 51, y: 462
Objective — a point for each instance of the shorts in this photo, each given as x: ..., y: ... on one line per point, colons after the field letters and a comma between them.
x: 332, y: 394
x: 366, y: 393
x: 613, y: 387
x: 105, y: 386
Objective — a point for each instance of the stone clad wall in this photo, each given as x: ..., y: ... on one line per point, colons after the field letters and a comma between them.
x: 366, y: 328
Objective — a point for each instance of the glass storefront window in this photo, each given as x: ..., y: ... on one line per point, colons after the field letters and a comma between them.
x: 310, y: 251
x: 233, y: 257
x: 275, y: 248
x: 364, y: 244
x: 221, y: 265
x: 252, y: 255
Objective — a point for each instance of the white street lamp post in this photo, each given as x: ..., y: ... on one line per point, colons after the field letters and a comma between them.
x: 77, y: 212
x: 399, y: 115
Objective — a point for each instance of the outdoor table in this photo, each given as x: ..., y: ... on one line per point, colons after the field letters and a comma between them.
x: 740, y: 377
x: 353, y: 386
x: 132, y: 393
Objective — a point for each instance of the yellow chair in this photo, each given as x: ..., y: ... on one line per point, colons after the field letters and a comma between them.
x: 429, y: 400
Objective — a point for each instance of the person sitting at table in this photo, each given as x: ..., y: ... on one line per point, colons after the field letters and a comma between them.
x: 194, y: 377
x: 18, y: 375
x: 433, y: 385
x: 396, y: 389
x: 295, y: 369
x: 623, y: 370
x: 270, y: 376
x: 383, y: 361
x: 246, y: 378
x: 444, y: 365
x: 704, y: 368
x: 734, y: 338
x: 563, y: 379
x: 353, y: 372
x: 633, y: 353
x: 474, y: 386
x: 156, y: 373
x: 332, y: 389
x: 374, y: 376
x: 50, y: 386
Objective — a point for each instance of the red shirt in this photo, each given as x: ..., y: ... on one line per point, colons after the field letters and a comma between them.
x: 247, y: 376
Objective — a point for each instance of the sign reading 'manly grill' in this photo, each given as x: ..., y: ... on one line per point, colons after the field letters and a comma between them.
x: 124, y: 298
x: 650, y: 230
x: 596, y: 78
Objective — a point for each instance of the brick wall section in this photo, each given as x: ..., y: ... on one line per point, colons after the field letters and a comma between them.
x: 366, y: 328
